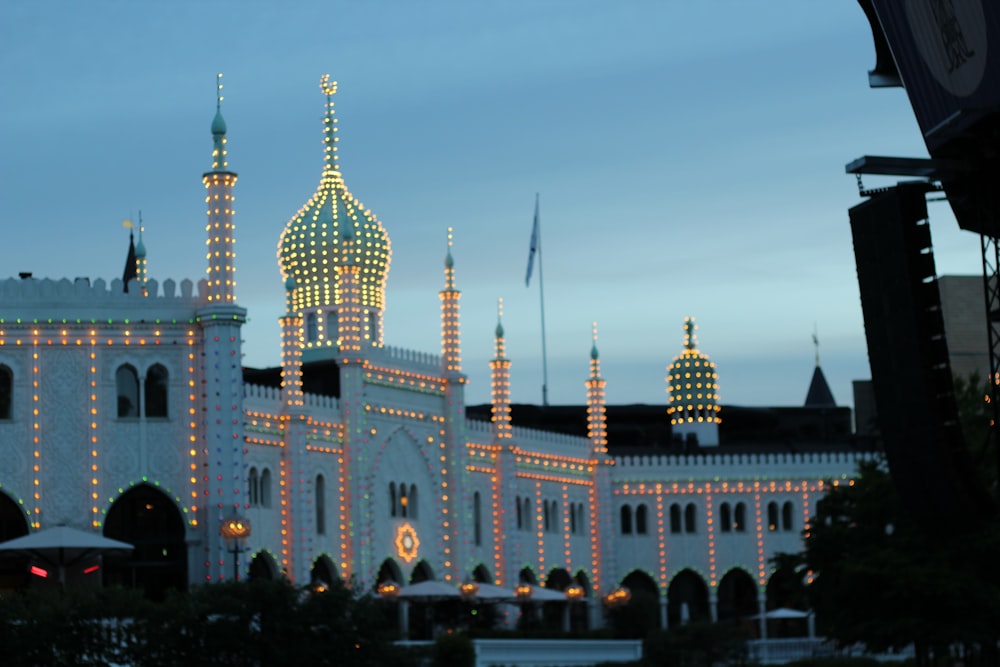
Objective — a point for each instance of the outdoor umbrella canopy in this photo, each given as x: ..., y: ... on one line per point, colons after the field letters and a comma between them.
x: 782, y: 612
x: 496, y: 593
x: 62, y: 547
x: 429, y: 590
x: 539, y: 594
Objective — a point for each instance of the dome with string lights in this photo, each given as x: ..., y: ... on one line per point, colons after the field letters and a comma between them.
x: 692, y: 383
x: 333, y: 229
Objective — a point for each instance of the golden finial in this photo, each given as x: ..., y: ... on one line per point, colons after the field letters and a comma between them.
x: 218, y: 91
x: 328, y: 87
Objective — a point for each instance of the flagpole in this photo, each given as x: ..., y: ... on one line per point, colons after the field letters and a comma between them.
x: 541, y: 294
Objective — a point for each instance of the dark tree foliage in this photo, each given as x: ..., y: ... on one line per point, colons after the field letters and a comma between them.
x: 882, y: 581
x: 257, y: 623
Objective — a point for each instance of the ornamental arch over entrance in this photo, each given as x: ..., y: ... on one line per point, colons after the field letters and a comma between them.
x: 737, y: 596
x: 262, y: 567
x: 323, y: 572
x: 148, y: 519
x: 687, y: 599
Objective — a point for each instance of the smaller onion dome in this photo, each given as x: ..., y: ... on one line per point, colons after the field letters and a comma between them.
x: 692, y: 383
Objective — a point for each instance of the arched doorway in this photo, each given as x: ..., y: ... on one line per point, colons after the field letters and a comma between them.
x: 482, y: 575
x: 641, y: 614
x: 737, y: 598
x: 687, y: 599
x: 262, y: 567
x: 13, y: 523
x: 389, y: 571
x: 785, y: 589
x: 323, y: 572
x: 579, y: 611
x: 421, y: 572
x: 150, y: 521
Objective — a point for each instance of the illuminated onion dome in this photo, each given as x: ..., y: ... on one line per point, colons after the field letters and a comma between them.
x: 312, y: 245
x: 692, y: 384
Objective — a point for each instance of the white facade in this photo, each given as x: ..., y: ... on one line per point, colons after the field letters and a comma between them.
x: 388, y: 477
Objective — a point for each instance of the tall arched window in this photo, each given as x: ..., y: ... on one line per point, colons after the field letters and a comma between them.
x: 725, y: 518
x: 392, y: 499
x: 572, y: 519
x: 740, y: 522
x: 528, y: 519
x: 690, y: 518
x: 640, y: 519
x: 265, y: 488
x: 520, y: 517
x: 477, y: 520
x: 127, y: 387
x: 156, y: 391
x: 675, y: 518
x: 786, y: 515
x: 312, y: 328
x: 772, y: 516
x: 545, y: 516
x: 6, y: 391
x: 253, y: 490
x: 320, y: 505
x: 580, y: 519
x: 626, y: 520
x: 554, y: 519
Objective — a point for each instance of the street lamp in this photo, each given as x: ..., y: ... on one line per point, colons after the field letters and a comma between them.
x: 234, y: 532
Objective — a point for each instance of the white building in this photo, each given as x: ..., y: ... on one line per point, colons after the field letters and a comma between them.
x: 124, y: 410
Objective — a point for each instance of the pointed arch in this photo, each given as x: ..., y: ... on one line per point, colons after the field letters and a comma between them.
x: 127, y: 390
x: 150, y: 520
x: 389, y: 571
x: 482, y: 574
x: 422, y: 571
x: 155, y: 389
x: 323, y: 572
x: 262, y: 567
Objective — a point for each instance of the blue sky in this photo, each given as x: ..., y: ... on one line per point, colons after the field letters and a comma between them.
x: 689, y: 156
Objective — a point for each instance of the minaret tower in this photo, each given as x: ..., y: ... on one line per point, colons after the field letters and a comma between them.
x: 500, y: 383
x: 221, y: 231
x: 221, y: 321
x: 451, y: 348
x: 141, y: 270
x: 692, y: 385
x: 597, y: 420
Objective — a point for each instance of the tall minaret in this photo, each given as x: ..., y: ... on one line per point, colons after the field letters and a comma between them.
x: 141, y: 270
x: 451, y: 348
x: 597, y: 420
x: 221, y: 237
x: 500, y: 383
x: 221, y: 321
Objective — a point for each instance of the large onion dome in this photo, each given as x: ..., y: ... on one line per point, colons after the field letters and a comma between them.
x: 313, y: 245
x: 692, y: 384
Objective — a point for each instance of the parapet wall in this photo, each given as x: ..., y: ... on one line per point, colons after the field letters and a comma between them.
x: 83, y: 300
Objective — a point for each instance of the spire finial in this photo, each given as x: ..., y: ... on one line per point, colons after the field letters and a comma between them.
x: 690, y: 339
x: 329, y: 89
x: 499, y: 331
x: 593, y: 349
x: 449, y: 264
x: 219, y: 162
x: 816, y: 343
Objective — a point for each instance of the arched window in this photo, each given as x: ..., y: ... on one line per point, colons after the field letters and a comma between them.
x: 740, y: 523
x: 572, y: 519
x: 772, y: 516
x: 156, y: 391
x: 320, y: 505
x: 626, y: 520
x: 392, y: 499
x: 725, y: 518
x: 404, y: 502
x: 786, y: 515
x: 253, y: 490
x: 675, y: 518
x: 546, y: 516
x: 312, y: 328
x: 127, y: 386
x: 554, y: 519
x: 265, y: 488
x: 640, y: 519
x: 6, y: 391
x: 690, y: 518
x: 477, y: 519
x: 413, y: 501
x: 581, y: 519
x: 520, y: 517
x: 528, y: 519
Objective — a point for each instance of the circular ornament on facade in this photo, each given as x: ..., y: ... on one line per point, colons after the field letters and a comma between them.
x: 407, y: 542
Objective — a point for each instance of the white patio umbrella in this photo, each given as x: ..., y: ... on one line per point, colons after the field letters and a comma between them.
x: 428, y: 591
x: 491, y: 593
x: 62, y: 547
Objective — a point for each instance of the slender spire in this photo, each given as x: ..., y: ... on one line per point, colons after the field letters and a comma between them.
x: 131, y: 270
x: 219, y: 161
x: 451, y: 351
x: 816, y: 343
x: 690, y: 339
x: 331, y: 163
x: 597, y: 427
x: 500, y: 380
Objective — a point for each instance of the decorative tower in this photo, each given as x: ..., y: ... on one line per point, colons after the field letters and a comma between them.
x: 451, y: 349
x: 141, y: 270
x: 221, y: 321
x: 500, y: 383
x: 312, y: 246
x: 597, y: 420
x: 692, y: 386
x: 221, y: 231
